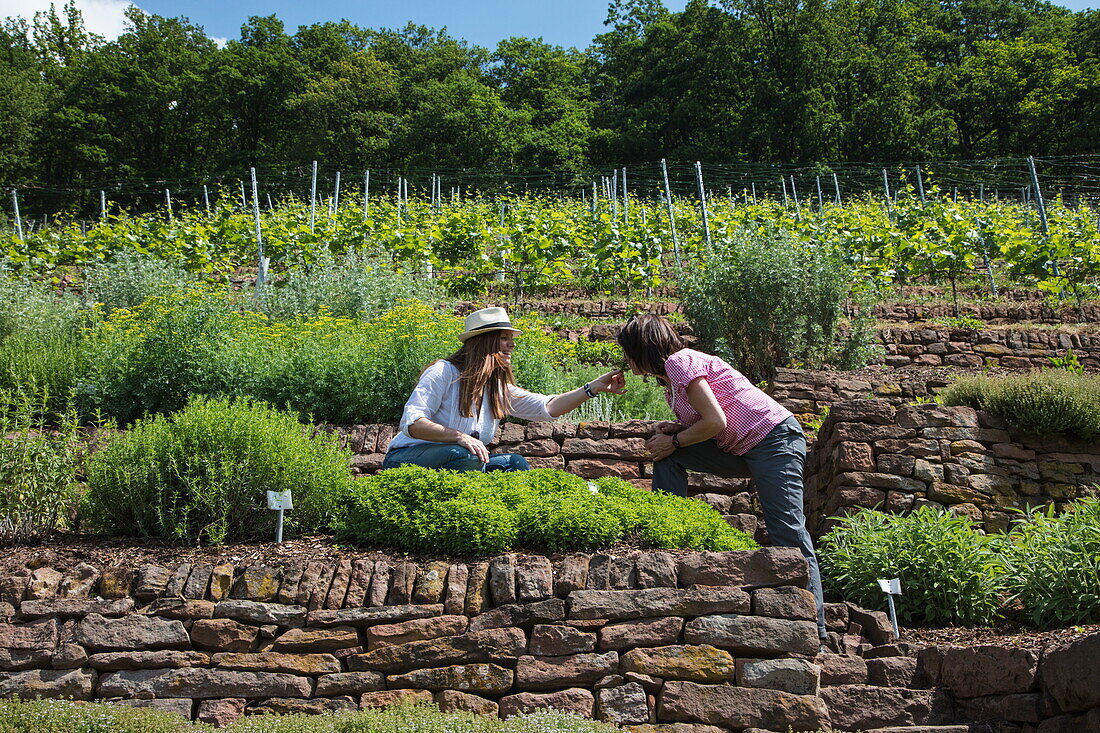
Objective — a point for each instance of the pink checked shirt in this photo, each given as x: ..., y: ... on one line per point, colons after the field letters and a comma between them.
x: 750, y: 413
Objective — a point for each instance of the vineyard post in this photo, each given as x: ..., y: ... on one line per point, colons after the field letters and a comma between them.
x: 886, y: 187
x: 336, y: 197
x: 702, y: 202
x: 820, y: 198
x: 783, y: 183
x: 269, y: 206
x: 836, y: 189
x: 754, y: 192
x: 261, y: 269
x: 593, y: 202
x: 103, y: 206
x: 313, y: 198
x: 206, y: 198
x: 366, y: 194
x: 920, y: 186
x: 671, y: 215
x: 168, y: 201
x: 615, y: 196
x: 18, y: 219
x: 244, y: 199
x: 503, y: 252
x: 1042, y: 209
x: 397, y: 209
x: 626, y: 201
x: 981, y: 192
x: 797, y: 205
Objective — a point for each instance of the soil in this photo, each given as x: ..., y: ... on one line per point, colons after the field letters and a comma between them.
x: 1005, y: 635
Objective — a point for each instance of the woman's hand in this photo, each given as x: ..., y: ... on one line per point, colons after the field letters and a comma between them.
x: 668, y: 427
x: 660, y: 446
x: 476, y: 447
x: 611, y: 382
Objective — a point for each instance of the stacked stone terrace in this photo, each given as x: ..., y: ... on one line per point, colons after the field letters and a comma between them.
x: 720, y: 639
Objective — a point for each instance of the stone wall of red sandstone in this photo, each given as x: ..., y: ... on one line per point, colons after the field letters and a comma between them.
x: 870, y: 453
x: 725, y: 639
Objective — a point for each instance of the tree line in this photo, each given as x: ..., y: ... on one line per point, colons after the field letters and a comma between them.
x: 778, y: 81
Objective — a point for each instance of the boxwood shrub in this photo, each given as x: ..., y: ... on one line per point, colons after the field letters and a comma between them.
x: 423, y: 510
x: 200, y: 475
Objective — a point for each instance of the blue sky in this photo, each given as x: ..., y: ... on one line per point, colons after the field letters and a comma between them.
x: 484, y: 22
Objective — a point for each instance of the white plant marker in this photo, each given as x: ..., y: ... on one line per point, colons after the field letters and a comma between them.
x: 279, y: 501
x: 892, y: 588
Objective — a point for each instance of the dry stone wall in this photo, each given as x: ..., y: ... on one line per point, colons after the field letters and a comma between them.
x: 723, y: 639
x: 870, y: 453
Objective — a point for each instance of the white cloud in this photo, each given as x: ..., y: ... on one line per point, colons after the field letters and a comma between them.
x: 102, y: 17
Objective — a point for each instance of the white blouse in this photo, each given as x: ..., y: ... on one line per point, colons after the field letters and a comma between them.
x: 436, y: 398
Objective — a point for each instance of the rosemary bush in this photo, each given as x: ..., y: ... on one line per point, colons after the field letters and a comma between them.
x: 200, y: 475
x: 1048, y: 401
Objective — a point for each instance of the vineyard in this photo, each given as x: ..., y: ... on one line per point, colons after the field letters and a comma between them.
x: 627, y: 244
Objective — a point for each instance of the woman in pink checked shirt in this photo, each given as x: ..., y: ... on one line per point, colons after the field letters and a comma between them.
x: 724, y: 426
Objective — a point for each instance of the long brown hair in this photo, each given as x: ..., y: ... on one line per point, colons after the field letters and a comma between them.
x: 481, y: 366
x: 649, y: 340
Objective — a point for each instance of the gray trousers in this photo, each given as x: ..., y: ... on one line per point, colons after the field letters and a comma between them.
x: 775, y: 465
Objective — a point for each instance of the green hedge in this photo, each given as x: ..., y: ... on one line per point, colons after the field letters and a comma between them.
x: 1044, y: 402
x: 1044, y: 571
x: 200, y: 475
x: 60, y: 716
x: 423, y: 510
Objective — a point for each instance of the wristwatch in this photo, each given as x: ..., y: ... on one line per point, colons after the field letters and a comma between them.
x: 676, y: 441
x: 588, y: 390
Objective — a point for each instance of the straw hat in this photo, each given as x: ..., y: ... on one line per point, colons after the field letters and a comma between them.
x: 487, y: 319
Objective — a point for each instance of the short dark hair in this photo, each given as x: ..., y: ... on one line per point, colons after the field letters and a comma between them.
x: 648, y: 340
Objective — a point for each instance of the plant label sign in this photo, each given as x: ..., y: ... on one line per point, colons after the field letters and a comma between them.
x: 279, y: 500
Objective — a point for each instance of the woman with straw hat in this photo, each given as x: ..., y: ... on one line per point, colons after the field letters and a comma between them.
x: 459, y: 401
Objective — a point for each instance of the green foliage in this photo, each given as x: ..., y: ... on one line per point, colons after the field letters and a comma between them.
x: 39, y: 461
x: 1049, y: 401
x: 42, y: 347
x: 1053, y: 564
x: 965, y: 323
x: 763, y: 300
x: 129, y: 278
x: 355, y: 286
x: 64, y: 716
x: 1068, y: 361
x: 200, y: 475
x: 950, y: 573
x: 424, y: 510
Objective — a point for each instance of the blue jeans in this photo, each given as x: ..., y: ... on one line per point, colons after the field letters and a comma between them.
x: 452, y: 457
x: 775, y: 465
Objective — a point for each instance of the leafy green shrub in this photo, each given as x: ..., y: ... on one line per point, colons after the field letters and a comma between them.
x: 355, y: 287
x: 151, y: 359
x: 424, y: 510
x: 63, y: 716
x: 200, y: 475
x: 1050, y: 401
x: 129, y: 278
x: 42, y: 342
x: 38, y: 465
x: 1053, y: 564
x: 763, y: 299
x: 950, y: 573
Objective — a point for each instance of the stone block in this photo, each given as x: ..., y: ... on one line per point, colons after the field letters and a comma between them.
x: 650, y: 602
x: 534, y: 578
x: 787, y: 602
x: 740, y: 707
x: 483, y: 678
x: 548, y: 673
x: 575, y: 700
x: 796, y: 676
x: 220, y: 713
x: 698, y: 663
x: 316, y: 640
x: 260, y: 614
x: 643, y: 632
x: 116, y: 661
x: 223, y: 635
x: 176, y: 705
x: 571, y: 575
x: 753, y: 635
x: 592, y: 468
x: 386, y: 698
x: 349, y: 683
x: 43, y: 584
x: 502, y: 580
x: 552, y: 640
x: 75, y: 684
x: 520, y: 614
x: 431, y: 583
x: 450, y: 701
x: 358, y: 617
x: 863, y: 707
x: 491, y: 645
x: 1071, y: 675
x: 842, y: 669
x: 199, y: 683
x: 989, y: 670
x: 300, y: 664
x: 415, y: 630
x: 75, y: 608
x: 622, y: 705
x: 131, y: 633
